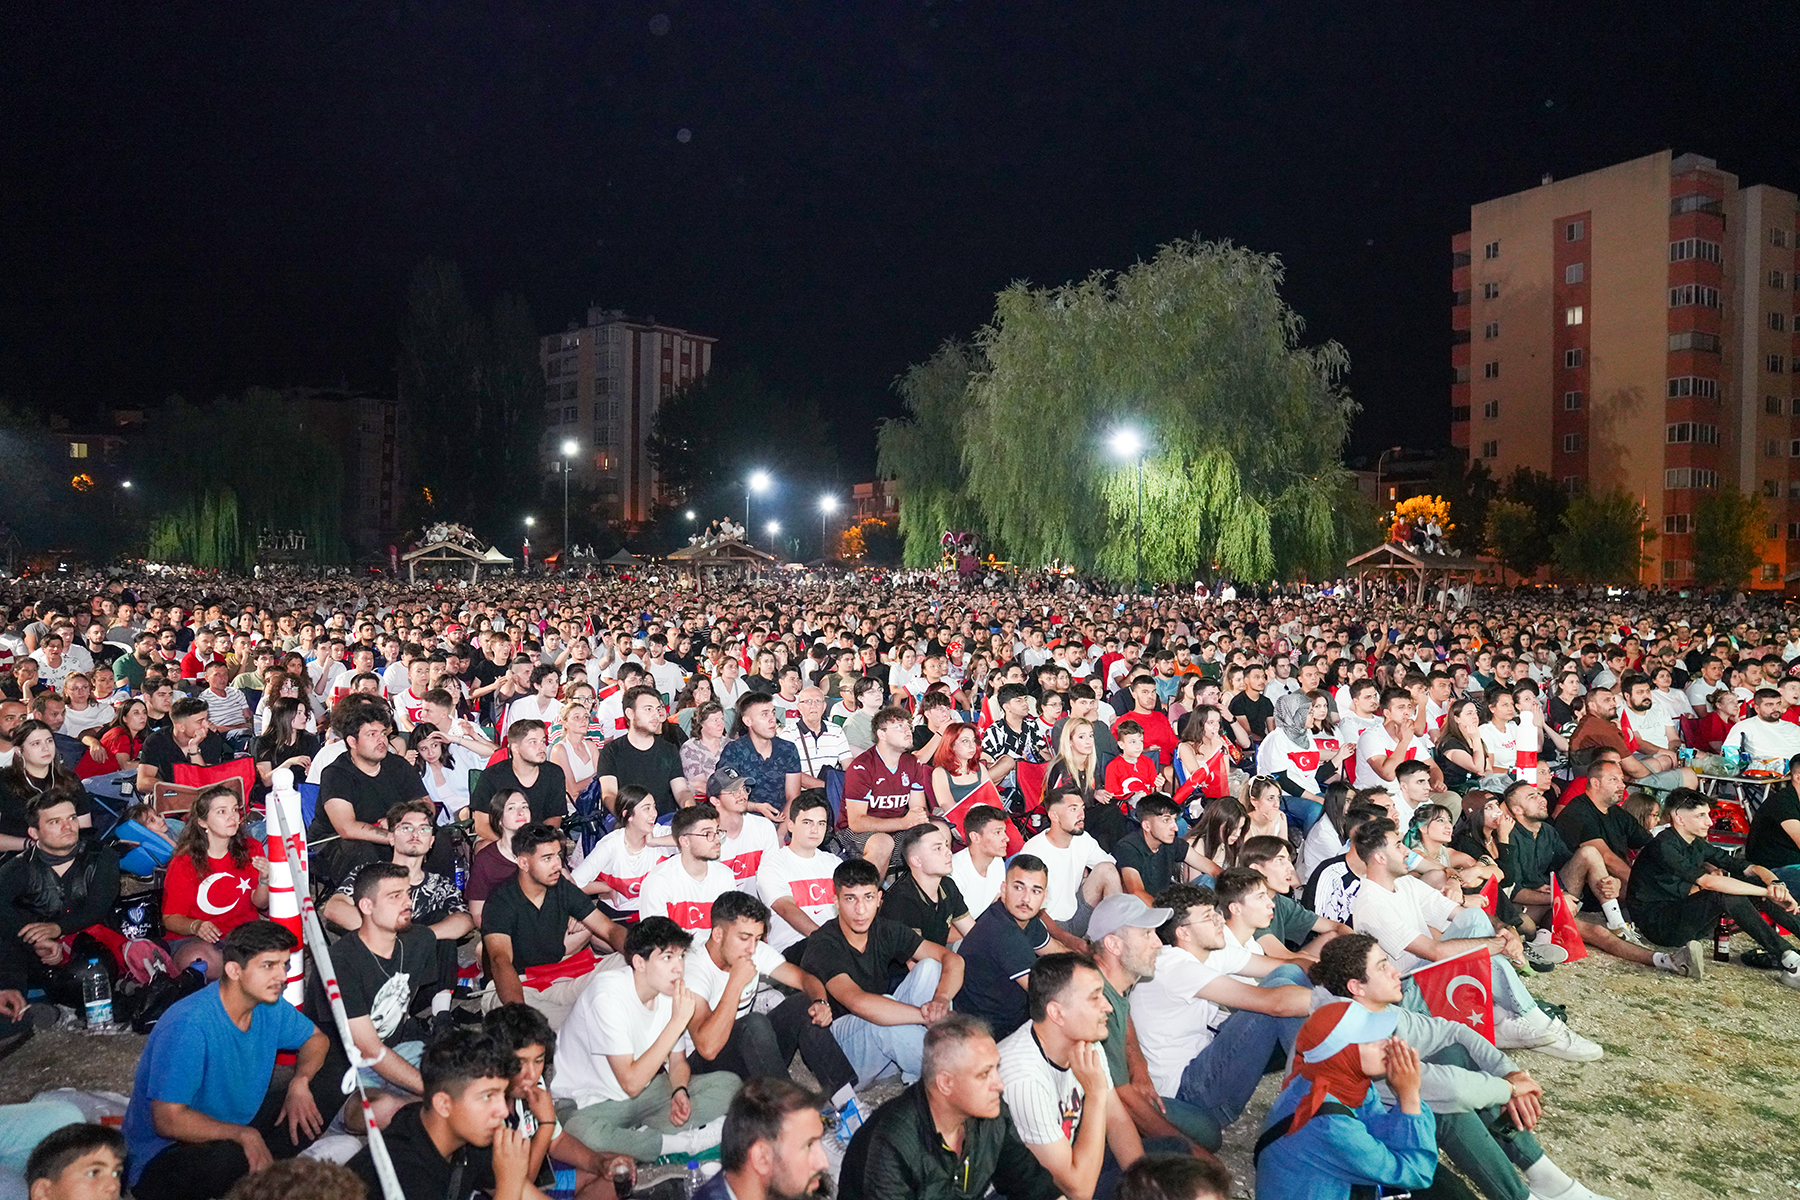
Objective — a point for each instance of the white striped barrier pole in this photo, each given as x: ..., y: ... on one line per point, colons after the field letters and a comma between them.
x: 284, y: 899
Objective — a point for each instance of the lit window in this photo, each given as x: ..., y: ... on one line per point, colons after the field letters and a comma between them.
x: 1572, y: 316
x: 78, y: 449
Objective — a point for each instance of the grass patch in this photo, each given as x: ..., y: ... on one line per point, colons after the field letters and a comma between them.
x: 1638, y: 1181
x: 1616, y: 1050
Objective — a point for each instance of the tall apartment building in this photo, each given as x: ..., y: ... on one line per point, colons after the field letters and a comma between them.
x: 1635, y: 327
x: 370, y: 432
x: 603, y: 383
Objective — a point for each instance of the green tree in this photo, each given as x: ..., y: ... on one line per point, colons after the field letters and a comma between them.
x: 1545, y: 497
x: 1243, y: 427
x: 1728, y: 537
x: 1602, y: 539
x: 924, y: 451
x: 707, y: 436
x: 1512, y: 537
x: 1468, y: 488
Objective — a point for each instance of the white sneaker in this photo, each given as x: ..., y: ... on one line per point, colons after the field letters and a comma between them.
x: 1524, y: 1032
x: 1791, y: 978
x: 1629, y: 933
x: 1575, y: 1191
x: 713, y: 1132
x: 1688, y: 960
x: 1568, y: 1045
x: 1547, y: 954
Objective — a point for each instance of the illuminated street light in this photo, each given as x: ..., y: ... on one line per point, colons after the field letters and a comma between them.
x: 1126, y: 443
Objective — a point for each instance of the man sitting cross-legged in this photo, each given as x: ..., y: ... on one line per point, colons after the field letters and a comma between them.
x: 1486, y: 1105
x: 537, y: 929
x: 1081, y: 873
x: 724, y: 974
x: 1417, y: 924
x: 880, y: 1026
x: 621, y: 1057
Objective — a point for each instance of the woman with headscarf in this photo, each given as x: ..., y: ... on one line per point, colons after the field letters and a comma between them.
x: 1329, y: 1135
x: 1302, y: 754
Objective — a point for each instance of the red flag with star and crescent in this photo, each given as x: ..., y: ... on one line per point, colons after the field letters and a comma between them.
x: 989, y: 795
x: 1460, y: 989
x: 1563, y: 930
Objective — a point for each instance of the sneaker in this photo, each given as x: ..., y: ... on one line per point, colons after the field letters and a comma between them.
x: 1629, y: 933
x: 1688, y: 960
x: 712, y: 1133
x: 1545, y: 956
x: 1524, y: 1032
x: 1569, y: 1046
x: 1791, y: 978
x: 1575, y: 1191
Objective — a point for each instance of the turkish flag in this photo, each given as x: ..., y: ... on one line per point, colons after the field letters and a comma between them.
x: 1326, y: 745
x: 989, y: 795
x: 240, y: 770
x: 1031, y: 783
x: 626, y: 888
x: 1490, y: 896
x: 1460, y: 989
x: 691, y: 914
x: 1563, y: 930
x: 744, y: 865
x: 808, y: 893
x: 1306, y: 760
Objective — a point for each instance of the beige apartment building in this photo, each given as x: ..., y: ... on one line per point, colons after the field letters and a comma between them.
x: 1635, y: 327
x: 603, y: 383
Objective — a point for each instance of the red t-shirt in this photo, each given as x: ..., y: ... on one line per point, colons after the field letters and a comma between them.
x: 887, y: 793
x: 1131, y: 779
x: 223, y: 896
x: 193, y: 666
x: 1159, y: 735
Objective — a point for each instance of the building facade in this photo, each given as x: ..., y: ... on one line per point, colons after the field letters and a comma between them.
x: 1634, y: 327
x: 370, y: 432
x: 603, y: 383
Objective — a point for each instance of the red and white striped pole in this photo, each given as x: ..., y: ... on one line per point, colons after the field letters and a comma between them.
x: 284, y: 898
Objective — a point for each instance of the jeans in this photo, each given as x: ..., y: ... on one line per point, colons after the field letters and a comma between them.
x: 1223, y: 1075
x: 1789, y: 876
x: 1302, y: 812
x: 874, y: 1049
x: 1509, y: 993
x: 764, y: 1044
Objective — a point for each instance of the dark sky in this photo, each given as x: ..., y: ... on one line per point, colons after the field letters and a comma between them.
x: 195, y: 198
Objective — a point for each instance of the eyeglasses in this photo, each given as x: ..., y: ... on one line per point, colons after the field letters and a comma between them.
x: 711, y: 835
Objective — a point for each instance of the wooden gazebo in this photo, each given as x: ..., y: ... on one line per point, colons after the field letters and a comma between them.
x: 721, y: 559
x: 1415, y: 568
x: 455, y: 548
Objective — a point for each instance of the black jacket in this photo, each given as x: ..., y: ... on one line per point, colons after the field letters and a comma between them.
x: 83, y: 895
x: 898, y: 1155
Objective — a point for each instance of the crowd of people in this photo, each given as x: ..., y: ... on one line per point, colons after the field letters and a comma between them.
x: 617, y: 872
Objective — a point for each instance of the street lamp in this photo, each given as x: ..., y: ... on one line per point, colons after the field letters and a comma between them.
x: 690, y: 514
x: 1379, y: 459
x: 125, y: 483
x: 827, y: 506
x: 774, y: 528
x: 569, y: 449
x: 759, y: 481
x: 1126, y: 443
x: 530, y: 521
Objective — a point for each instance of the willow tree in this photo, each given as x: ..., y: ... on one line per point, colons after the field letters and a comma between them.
x: 1242, y: 426
x: 923, y: 451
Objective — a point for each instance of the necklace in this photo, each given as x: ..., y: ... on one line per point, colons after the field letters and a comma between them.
x: 399, y: 958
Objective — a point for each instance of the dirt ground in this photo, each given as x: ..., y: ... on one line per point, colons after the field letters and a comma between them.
x: 1698, y: 1095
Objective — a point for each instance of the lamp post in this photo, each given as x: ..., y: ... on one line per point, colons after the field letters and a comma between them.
x: 758, y: 482
x: 1127, y: 444
x: 569, y: 450
x: 1381, y: 500
x: 774, y: 528
x: 827, y: 506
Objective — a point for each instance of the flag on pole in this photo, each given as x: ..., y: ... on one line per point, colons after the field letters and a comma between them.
x: 989, y: 795
x: 1460, y: 989
x: 1563, y: 930
x: 1490, y: 896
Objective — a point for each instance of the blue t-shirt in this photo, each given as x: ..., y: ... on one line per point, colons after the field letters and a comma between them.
x: 196, y: 1056
x: 767, y: 776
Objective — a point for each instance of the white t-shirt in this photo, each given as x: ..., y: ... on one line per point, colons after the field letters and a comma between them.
x: 1395, y: 918
x: 743, y: 854
x: 806, y: 881
x: 669, y: 891
x: 707, y: 980
x: 978, y: 891
x: 532, y: 708
x: 1322, y: 842
x: 1045, y: 1099
x: 97, y: 714
x: 667, y: 678
x: 608, y: 1018
x: 1775, y: 739
x: 612, y: 862
x: 1173, y: 1021
x: 1375, y: 743
x: 1068, y: 868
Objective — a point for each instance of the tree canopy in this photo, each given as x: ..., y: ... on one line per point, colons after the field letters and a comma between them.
x: 924, y: 450
x: 1728, y: 537
x: 1196, y: 353
x: 1602, y: 538
x: 710, y: 434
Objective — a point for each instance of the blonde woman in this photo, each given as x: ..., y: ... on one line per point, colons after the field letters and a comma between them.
x: 575, y: 755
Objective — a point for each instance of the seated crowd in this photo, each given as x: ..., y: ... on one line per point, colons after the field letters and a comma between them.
x: 604, y: 888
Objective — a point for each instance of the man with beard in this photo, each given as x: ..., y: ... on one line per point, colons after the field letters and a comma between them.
x: 537, y: 928
x: 772, y: 1147
x: 1762, y: 734
x: 1645, y: 766
x: 950, y: 1135
x: 1123, y: 934
x: 381, y: 968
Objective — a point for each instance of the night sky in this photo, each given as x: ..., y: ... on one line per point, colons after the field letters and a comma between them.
x: 196, y: 198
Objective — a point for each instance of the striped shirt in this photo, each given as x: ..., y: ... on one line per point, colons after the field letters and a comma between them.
x: 1045, y: 1099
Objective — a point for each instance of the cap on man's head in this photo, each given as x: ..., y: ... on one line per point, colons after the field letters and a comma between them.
x: 725, y: 779
x: 1122, y: 910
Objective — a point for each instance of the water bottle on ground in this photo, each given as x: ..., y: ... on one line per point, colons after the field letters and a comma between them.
x: 621, y: 1180
x: 96, y: 994
x: 691, y: 1183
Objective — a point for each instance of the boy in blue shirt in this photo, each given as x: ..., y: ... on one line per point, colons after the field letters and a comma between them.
x: 200, y: 1118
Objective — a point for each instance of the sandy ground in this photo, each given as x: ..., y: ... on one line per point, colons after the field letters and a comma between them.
x: 1698, y: 1095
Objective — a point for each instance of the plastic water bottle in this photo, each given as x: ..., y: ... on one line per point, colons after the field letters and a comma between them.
x: 459, y: 856
x: 96, y: 994
x: 691, y: 1183
x: 621, y: 1180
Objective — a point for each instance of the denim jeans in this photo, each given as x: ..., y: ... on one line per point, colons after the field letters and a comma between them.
x: 875, y: 1049
x: 1225, y: 1073
x: 1302, y: 812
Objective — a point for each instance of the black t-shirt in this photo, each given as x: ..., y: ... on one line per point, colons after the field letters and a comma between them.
x: 1581, y: 821
x: 548, y: 797
x: 424, y: 1174
x: 1258, y: 712
x: 829, y: 954
x: 381, y: 989
x: 536, y: 933
x: 1157, y: 868
x: 304, y: 743
x: 370, y: 796
x: 650, y: 769
x: 161, y: 752
x: 906, y: 903
x: 1769, y: 844
x: 996, y: 955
